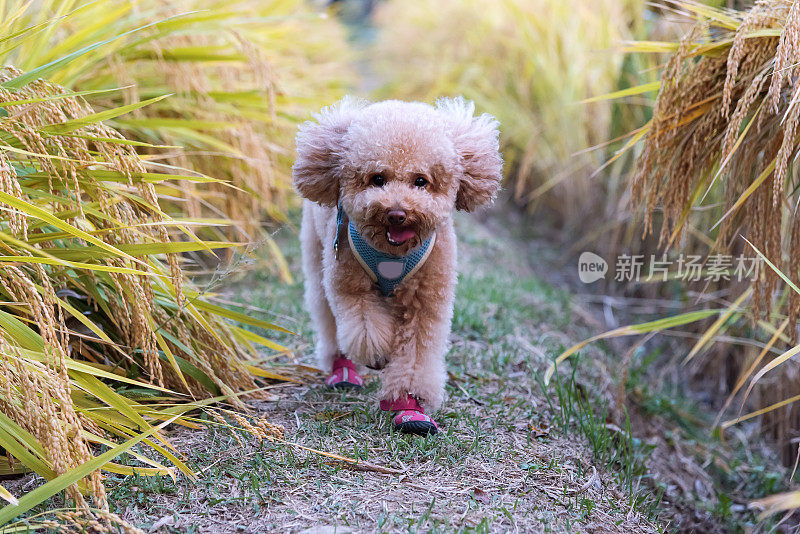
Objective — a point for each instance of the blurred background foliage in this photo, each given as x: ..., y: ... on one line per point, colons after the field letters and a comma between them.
x: 521, y: 62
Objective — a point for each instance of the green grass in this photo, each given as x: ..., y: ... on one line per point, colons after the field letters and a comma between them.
x: 584, y: 413
x: 739, y: 473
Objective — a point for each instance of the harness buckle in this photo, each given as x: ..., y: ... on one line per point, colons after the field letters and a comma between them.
x: 339, y: 222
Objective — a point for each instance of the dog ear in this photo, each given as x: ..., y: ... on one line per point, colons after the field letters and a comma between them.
x: 476, y: 140
x: 320, y: 145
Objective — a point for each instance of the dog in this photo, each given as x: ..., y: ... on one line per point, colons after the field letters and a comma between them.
x: 381, y: 182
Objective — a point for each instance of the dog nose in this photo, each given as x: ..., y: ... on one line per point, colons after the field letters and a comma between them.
x: 397, y: 217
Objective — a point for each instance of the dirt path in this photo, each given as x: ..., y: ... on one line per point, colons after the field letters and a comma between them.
x: 507, y: 459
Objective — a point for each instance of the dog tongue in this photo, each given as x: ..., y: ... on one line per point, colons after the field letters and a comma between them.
x: 400, y: 234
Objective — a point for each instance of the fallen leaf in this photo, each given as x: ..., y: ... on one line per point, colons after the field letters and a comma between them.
x: 589, y: 483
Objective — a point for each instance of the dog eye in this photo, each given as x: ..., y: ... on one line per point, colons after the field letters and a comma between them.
x: 377, y: 180
x: 420, y: 181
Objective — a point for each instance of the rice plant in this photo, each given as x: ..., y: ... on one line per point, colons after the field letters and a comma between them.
x: 103, y: 340
x: 242, y: 73
x: 724, y: 128
x: 724, y: 135
x: 530, y: 64
x: 718, y: 159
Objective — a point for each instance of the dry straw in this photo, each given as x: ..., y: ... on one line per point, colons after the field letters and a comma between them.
x: 725, y: 130
x: 723, y: 141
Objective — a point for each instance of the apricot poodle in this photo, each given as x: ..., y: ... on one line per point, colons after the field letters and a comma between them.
x: 381, y: 182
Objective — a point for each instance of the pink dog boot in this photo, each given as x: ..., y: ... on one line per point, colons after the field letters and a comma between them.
x: 344, y: 374
x: 409, y: 417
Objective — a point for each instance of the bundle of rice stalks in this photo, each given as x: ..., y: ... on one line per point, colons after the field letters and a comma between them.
x: 101, y: 337
x: 243, y: 73
x: 719, y: 155
x: 530, y: 64
x: 724, y: 135
x: 725, y: 129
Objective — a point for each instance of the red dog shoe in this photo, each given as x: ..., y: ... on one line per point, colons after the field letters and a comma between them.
x: 344, y: 374
x: 409, y: 417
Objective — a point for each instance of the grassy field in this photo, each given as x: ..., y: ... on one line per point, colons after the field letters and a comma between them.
x: 621, y: 440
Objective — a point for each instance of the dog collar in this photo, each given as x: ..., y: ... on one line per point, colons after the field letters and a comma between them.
x: 387, y: 270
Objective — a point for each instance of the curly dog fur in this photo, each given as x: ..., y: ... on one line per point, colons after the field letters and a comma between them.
x: 430, y: 160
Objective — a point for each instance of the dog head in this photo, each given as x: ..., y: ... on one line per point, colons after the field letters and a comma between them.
x: 399, y: 168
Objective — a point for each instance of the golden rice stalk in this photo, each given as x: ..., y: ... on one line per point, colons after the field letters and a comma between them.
x: 530, y: 64
x: 242, y: 72
x: 723, y: 142
x: 92, y: 292
x: 724, y: 130
x: 75, y: 522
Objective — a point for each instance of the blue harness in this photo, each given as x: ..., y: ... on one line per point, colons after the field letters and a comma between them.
x: 387, y: 270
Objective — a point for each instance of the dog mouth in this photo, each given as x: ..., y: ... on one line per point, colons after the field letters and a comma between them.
x: 396, y: 235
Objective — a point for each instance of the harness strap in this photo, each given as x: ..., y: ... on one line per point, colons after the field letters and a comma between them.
x: 339, y: 221
x: 387, y: 270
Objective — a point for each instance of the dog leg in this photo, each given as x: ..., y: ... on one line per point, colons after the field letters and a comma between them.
x: 365, y: 329
x: 317, y: 305
x: 365, y: 325
x: 417, y: 365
